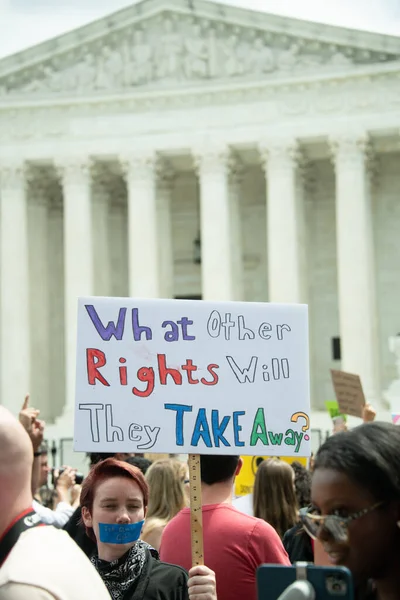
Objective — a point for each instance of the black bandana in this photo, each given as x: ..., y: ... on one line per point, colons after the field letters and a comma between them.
x: 120, y: 574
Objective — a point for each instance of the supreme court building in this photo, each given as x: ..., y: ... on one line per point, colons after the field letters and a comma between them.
x: 190, y: 149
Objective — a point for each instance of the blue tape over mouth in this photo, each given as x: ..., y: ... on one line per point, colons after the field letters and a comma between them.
x: 125, y: 533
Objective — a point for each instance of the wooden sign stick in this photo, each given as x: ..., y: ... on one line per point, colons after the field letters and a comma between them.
x: 196, y: 514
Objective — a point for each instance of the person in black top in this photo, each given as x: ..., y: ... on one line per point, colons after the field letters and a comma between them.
x: 114, y: 501
x: 355, y: 511
x: 296, y: 541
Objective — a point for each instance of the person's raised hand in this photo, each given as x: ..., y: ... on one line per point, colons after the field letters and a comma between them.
x: 201, y: 583
x: 368, y: 413
x: 37, y: 434
x: 28, y: 417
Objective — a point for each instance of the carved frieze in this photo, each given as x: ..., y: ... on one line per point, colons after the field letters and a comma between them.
x: 352, y: 96
x: 176, y: 50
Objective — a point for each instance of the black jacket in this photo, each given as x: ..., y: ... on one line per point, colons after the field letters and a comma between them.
x: 159, y: 581
x: 297, y: 544
x: 77, y: 531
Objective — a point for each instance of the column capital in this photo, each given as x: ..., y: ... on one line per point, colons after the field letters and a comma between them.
x: 212, y: 159
x: 348, y: 147
x: 74, y: 170
x: 281, y: 153
x: 13, y: 174
x: 140, y: 165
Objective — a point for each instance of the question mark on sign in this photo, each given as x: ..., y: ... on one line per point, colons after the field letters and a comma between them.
x: 306, y: 426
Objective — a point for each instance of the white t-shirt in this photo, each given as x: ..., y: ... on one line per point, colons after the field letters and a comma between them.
x: 46, y: 564
x: 244, y: 504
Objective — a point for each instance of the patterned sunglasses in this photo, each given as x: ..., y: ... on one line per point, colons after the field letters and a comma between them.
x: 335, y: 525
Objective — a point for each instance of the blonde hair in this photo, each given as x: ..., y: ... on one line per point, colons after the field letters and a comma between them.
x: 274, y: 498
x: 165, y: 478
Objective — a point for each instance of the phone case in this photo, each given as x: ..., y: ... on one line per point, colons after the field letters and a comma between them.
x: 329, y: 583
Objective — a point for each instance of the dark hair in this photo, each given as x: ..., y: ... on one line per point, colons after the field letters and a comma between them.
x: 369, y: 455
x: 96, y: 457
x: 106, y: 469
x: 140, y: 462
x: 302, y: 484
x: 217, y: 469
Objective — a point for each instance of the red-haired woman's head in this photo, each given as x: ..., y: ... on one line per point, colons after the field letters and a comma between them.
x: 114, y: 492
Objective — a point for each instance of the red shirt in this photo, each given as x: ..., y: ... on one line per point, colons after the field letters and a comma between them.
x: 235, y: 544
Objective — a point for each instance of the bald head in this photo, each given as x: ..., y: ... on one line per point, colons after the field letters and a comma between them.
x: 16, y: 453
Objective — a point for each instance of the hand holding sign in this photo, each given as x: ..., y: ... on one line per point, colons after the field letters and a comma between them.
x: 202, y: 584
x: 369, y: 413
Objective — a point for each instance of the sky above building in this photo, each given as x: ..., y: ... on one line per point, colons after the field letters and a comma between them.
x: 24, y: 23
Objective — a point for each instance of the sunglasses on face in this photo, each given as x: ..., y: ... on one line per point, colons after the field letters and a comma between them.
x: 335, y: 525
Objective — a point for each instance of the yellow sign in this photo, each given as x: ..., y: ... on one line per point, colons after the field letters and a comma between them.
x: 245, y: 481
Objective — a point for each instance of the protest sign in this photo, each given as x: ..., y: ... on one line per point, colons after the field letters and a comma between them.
x: 349, y: 393
x: 176, y: 376
x: 244, y: 482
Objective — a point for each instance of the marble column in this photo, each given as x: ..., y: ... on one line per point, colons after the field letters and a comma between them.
x: 235, y: 188
x: 39, y: 299
x: 101, y: 250
x: 165, y: 185
x: 14, y: 322
x: 285, y: 272
x: 141, y: 176
x: 218, y: 277
x: 78, y: 259
x: 57, y: 332
x: 355, y: 263
x: 118, y: 243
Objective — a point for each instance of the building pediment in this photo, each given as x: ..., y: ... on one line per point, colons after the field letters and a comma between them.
x: 165, y: 45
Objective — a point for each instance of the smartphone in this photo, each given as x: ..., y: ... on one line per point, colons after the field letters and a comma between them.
x: 329, y: 583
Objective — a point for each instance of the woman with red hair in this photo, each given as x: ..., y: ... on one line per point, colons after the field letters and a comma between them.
x: 114, y: 501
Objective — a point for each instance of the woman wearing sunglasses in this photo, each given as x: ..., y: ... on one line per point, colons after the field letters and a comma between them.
x: 355, y: 511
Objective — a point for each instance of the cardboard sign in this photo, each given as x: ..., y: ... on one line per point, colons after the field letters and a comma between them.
x: 244, y: 482
x: 349, y: 393
x: 176, y: 376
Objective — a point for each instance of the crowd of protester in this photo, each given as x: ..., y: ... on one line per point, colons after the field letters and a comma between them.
x: 124, y: 531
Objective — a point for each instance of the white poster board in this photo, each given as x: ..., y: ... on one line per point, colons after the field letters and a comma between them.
x: 183, y: 376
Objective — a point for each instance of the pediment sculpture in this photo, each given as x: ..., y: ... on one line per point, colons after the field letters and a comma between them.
x: 180, y: 50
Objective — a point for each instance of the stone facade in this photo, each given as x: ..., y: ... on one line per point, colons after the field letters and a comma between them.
x: 274, y: 139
